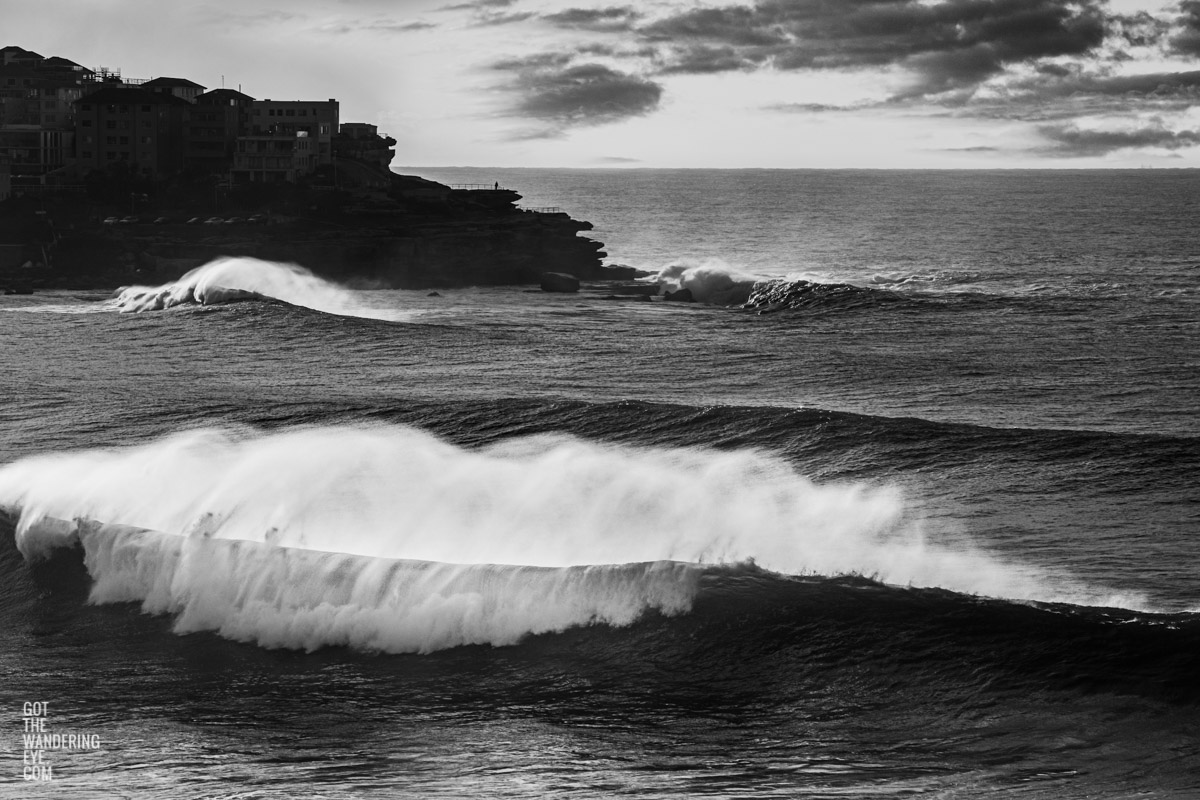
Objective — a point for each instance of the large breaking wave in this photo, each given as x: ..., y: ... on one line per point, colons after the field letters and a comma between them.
x: 227, y: 280
x: 387, y: 538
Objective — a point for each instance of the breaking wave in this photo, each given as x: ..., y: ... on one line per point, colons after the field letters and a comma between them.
x: 228, y: 280
x: 386, y: 538
x: 712, y: 282
x: 720, y: 284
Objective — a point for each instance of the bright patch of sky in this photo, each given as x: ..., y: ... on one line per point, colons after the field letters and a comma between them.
x: 768, y: 83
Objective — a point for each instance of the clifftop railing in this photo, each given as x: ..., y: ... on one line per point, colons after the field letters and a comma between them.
x: 473, y: 187
x: 545, y: 210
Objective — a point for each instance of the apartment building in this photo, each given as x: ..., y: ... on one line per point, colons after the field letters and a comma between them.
x: 143, y: 129
x: 318, y: 119
x: 218, y: 118
x: 37, y: 123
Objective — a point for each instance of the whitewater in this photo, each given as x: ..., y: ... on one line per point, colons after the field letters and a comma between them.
x: 902, y: 504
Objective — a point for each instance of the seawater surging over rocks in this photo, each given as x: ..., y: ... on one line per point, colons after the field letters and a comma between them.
x: 718, y: 284
x: 387, y: 538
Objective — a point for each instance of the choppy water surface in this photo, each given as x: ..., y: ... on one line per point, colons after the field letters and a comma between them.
x: 922, y: 522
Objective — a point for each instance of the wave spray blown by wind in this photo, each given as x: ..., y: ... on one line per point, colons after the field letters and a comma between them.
x: 388, y: 538
x: 227, y: 280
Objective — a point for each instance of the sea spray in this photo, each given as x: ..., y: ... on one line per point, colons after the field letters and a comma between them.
x: 710, y: 282
x: 304, y: 599
x: 331, y: 535
x: 232, y: 279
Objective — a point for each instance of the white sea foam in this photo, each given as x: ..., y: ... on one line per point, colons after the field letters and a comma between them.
x: 719, y: 283
x: 310, y: 536
x: 228, y: 279
x: 287, y: 597
x: 710, y: 281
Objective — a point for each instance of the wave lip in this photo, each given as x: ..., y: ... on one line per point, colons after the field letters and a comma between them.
x: 304, y: 599
x: 394, y: 492
x: 228, y: 280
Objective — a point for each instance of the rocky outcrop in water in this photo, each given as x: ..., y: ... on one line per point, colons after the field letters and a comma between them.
x: 559, y: 282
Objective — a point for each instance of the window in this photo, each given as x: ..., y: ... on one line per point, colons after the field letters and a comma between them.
x: 147, y: 124
x: 124, y: 140
x: 87, y: 123
x: 87, y: 140
x: 86, y: 154
x: 111, y: 156
x: 85, y: 107
x: 111, y: 125
x: 291, y: 112
x: 145, y: 108
x: 145, y: 140
x: 304, y: 112
x: 124, y: 109
x: 110, y: 140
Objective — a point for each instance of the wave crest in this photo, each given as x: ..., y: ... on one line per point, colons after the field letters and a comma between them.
x: 328, y: 535
x: 228, y: 280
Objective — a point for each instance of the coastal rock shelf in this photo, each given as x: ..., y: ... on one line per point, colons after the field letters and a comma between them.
x: 406, y: 232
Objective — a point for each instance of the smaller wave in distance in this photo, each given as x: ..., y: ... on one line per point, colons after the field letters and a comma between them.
x: 717, y: 283
x: 229, y: 280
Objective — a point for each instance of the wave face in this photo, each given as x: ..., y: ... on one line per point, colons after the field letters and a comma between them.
x: 385, y: 537
x: 304, y: 599
x: 228, y: 280
x: 784, y: 293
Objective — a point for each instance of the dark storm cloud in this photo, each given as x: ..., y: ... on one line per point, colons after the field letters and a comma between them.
x: 1187, y: 41
x: 949, y: 45
x: 614, y: 19
x: 1139, y: 30
x: 1075, y: 94
x: 1072, y: 141
x: 701, y: 59
x: 559, y: 94
x: 739, y: 26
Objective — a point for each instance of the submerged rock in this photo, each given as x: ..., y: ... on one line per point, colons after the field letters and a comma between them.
x: 559, y: 282
x: 681, y: 296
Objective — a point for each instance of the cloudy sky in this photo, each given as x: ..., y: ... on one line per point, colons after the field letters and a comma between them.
x: 763, y: 83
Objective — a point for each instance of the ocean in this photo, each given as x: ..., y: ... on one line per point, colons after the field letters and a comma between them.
x: 905, y: 505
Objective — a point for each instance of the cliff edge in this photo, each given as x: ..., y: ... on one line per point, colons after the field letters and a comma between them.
x: 375, y: 230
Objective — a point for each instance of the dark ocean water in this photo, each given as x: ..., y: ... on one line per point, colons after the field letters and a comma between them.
x: 921, y: 522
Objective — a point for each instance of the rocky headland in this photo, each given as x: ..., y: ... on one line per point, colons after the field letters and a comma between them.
x: 385, y: 231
